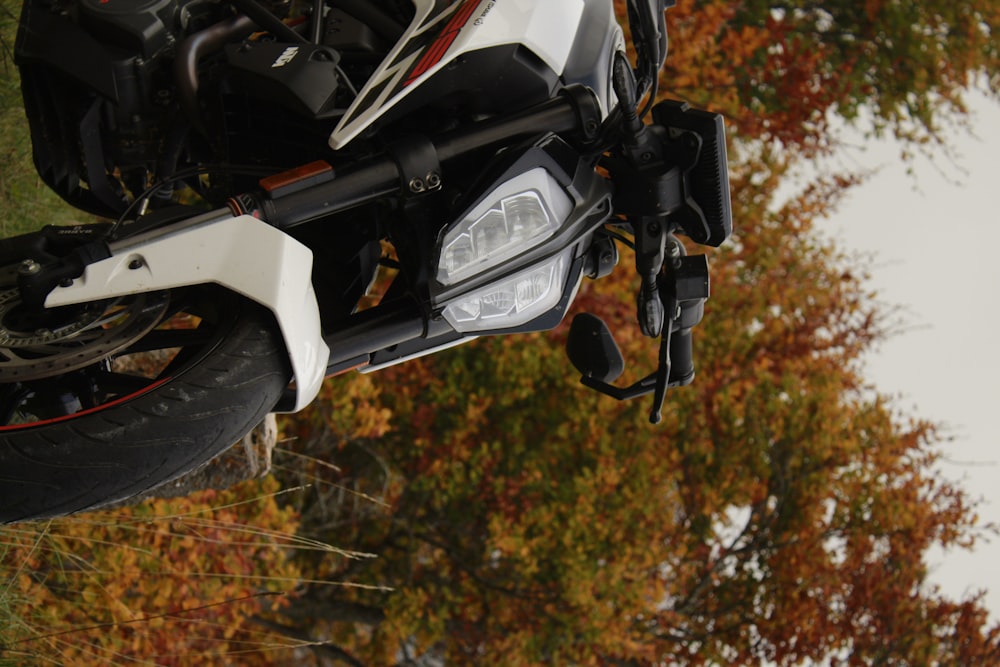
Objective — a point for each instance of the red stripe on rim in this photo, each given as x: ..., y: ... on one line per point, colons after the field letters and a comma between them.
x: 88, y: 411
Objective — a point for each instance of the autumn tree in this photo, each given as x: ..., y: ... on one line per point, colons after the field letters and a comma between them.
x: 783, y: 509
x: 780, y: 71
x: 780, y: 512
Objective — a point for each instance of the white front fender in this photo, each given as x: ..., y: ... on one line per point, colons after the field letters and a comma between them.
x: 243, y: 254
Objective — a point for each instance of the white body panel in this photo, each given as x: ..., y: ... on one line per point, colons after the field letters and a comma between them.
x: 242, y: 254
x: 546, y: 28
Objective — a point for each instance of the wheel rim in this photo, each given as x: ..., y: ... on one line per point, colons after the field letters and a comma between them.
x: 34, y: 346
x: 128, y: 349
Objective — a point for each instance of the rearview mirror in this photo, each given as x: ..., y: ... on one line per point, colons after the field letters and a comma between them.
x: 592, y: 349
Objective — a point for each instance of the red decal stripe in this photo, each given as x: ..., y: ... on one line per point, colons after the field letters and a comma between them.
x: 81, y: 413
x: 440, y: 46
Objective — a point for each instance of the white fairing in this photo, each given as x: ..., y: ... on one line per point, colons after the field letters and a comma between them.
x: 242, y: 254
x: 546, y: 28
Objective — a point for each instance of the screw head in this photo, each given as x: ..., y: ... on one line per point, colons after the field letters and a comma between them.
x: 29, y: 267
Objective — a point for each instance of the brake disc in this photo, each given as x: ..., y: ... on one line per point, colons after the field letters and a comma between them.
x: 36, y: 344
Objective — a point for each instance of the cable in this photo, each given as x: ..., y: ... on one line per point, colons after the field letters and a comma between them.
x: 143, y: 198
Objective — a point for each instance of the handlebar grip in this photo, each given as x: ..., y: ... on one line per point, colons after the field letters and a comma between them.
x: 681, y: 355
x: 681, y: 358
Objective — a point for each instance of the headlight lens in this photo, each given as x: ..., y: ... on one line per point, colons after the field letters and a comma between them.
x: 513, y: 301
x: 520, y: 214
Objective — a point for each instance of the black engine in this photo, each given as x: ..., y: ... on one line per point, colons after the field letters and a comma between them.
x: 125, y: 94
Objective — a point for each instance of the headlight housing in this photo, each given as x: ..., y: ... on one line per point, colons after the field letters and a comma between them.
x: 518, y: 215
x: 512, y: 259
x: 512, y: 301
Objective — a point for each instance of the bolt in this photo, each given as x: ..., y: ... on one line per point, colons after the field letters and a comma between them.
x: 647, y: 156
x: 135, y: 264
x: 66, y: 282
x: 416, y: 185
x: 591, y: 127
x: 29, y: 267
x: 433, y: 180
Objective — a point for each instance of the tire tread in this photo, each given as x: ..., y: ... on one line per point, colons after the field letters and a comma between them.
x: 114, y: 454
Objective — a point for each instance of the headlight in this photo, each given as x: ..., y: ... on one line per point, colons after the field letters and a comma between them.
x: 518, y: 215
x: 512, y: 301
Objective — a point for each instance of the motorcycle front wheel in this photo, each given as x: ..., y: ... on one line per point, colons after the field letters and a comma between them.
x: 103, y: 401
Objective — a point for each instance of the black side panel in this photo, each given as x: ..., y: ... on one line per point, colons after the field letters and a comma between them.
x: 710, y: 220
x: 53, y: 40
x: 64, y: 71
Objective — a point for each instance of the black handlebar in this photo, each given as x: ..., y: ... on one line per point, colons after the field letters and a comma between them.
x: 576, y: 109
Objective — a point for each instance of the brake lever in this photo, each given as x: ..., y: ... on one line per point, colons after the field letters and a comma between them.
x: 662, y: 377
x: 673, y: 312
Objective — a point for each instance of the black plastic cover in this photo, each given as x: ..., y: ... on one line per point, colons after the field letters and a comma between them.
x: 300, y: 77
x: 138, y: 26
x: 710, y: 222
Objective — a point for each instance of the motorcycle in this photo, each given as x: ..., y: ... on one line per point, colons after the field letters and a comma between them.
x: 259, y: 165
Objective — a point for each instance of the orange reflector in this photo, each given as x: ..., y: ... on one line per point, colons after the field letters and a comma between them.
x: 298, y: 178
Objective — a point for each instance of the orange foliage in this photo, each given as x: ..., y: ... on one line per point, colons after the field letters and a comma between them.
x: 173, y: 582
x: 780, y: 71
x: 781, y: 511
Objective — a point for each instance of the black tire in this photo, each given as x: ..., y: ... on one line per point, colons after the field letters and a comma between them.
x: 213, y: 392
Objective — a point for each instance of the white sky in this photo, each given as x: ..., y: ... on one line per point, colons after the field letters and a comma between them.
x: 936, y: 246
